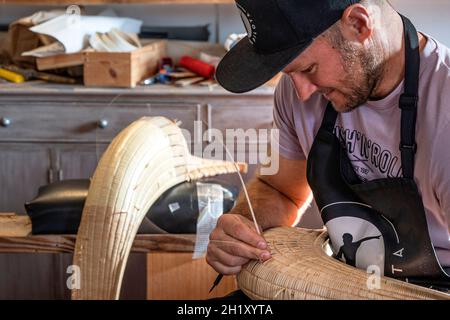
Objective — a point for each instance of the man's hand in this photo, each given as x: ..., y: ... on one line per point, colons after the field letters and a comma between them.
x: 276, y: 200
x: 233, y: 243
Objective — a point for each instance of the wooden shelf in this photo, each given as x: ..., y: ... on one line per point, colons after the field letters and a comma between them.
x: 143, y: 243
x: 38, y: 88
x: 15, y: 237
x: 104, y: 2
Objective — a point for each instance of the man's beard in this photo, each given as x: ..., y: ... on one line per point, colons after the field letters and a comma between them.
x: 363, y: 69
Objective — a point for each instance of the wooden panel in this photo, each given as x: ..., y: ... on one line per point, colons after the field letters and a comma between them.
x: 23, y: 169
x: 60, y: 61
x: 245, y: 114
x: 37, y: 122
x: 120, y: 116
x: 122, y: 69
x: 78, y: 161
x: 178, y: 276
x: 65, y: 243
x: 28, y: 276
x: 79, y: 122
x: 44, y: 276
x: 34, y: 91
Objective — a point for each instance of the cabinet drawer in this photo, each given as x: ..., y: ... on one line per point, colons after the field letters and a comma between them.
x: 249, y: 116
x: 85, y: 122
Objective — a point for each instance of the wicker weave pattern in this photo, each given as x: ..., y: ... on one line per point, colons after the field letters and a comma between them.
x: 300, y: 269
x: 141, y: 163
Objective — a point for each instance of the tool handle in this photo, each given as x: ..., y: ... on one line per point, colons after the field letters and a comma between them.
x: 201, y: 68
x: 11, y: 76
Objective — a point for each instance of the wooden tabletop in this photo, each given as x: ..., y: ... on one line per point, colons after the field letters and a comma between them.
x: 15, y: 237
x: 66, y: 243
x: 34, y: 87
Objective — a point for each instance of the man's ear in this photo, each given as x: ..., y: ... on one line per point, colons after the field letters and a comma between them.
x: 356, y: 23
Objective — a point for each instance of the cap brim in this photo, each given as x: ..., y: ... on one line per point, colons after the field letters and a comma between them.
x: 243, y: 69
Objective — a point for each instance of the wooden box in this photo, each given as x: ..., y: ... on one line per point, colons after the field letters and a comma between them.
x: 122, y: 69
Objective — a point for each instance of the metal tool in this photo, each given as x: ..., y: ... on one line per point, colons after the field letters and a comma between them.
x: 216, y: 282
x: 29, y: 74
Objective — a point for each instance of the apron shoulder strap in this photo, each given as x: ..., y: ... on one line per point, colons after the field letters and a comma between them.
x: 408, y: 102
x: 329, y: 118
x: 409, y: 99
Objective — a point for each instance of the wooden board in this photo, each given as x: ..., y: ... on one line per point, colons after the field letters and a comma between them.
x: 66, y: 243
x: 15, y: 236
x: 178, y: 276
x: 12, y: 225
x: 122, y: 69
x: 60, y: 61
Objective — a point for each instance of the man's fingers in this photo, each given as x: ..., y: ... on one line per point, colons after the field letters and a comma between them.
x: 222, y: 268
x: 237, y: 248
x: 217, y: 253
x: 233, y: 243
x: 242, y: 229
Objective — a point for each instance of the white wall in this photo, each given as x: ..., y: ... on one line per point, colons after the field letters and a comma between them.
x: 430, y: 16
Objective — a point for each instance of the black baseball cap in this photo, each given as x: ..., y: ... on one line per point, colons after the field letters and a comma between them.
x: 277, y: 32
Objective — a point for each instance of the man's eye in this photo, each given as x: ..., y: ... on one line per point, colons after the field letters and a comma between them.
x: 310, y: 69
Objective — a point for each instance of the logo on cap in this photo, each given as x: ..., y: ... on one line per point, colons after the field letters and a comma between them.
x: 248, y: 23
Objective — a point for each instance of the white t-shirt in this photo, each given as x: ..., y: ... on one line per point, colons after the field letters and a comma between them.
x: 372, y: 136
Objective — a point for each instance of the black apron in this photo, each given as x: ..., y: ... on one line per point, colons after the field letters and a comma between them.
x: 380, y: 223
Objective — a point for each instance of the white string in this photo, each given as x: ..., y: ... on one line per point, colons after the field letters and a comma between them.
x: 243, y: 186
x: 241, y: 180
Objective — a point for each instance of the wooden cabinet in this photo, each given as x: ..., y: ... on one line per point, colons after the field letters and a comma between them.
x: 60, y: 132
x: 44, y: 276
x: 77, y: 161
x: 52, y: 132
x: 23, y: 168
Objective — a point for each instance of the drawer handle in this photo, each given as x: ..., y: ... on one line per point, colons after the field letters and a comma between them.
x: 102, y: 124
x: 5, y: 122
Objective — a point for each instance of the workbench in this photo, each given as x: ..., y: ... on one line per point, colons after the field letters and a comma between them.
x: 160, y: 266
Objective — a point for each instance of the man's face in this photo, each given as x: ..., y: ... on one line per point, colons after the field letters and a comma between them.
x: 345, y: 73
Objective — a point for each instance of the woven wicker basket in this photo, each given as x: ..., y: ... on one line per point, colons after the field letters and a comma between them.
x: 301, y: 269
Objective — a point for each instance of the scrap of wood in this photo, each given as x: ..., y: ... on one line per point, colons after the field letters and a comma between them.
x: 188, y: 81
x: 208, y: 83
x: 15, y: 237
x: 61, y: 61
x: 180, y: 75
x: 12, y: 225
x: 143, y: 243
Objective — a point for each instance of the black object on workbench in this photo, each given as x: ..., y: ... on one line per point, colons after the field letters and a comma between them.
x: 58, y: 207
x: 192, y: 33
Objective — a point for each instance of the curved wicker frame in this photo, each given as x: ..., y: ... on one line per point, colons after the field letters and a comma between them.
x: 141, y: 163
x: 301, y: 269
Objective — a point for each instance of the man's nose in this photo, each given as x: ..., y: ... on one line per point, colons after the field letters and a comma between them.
x: 303, y: 86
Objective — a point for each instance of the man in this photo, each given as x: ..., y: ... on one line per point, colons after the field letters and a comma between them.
x: 357, y: 75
